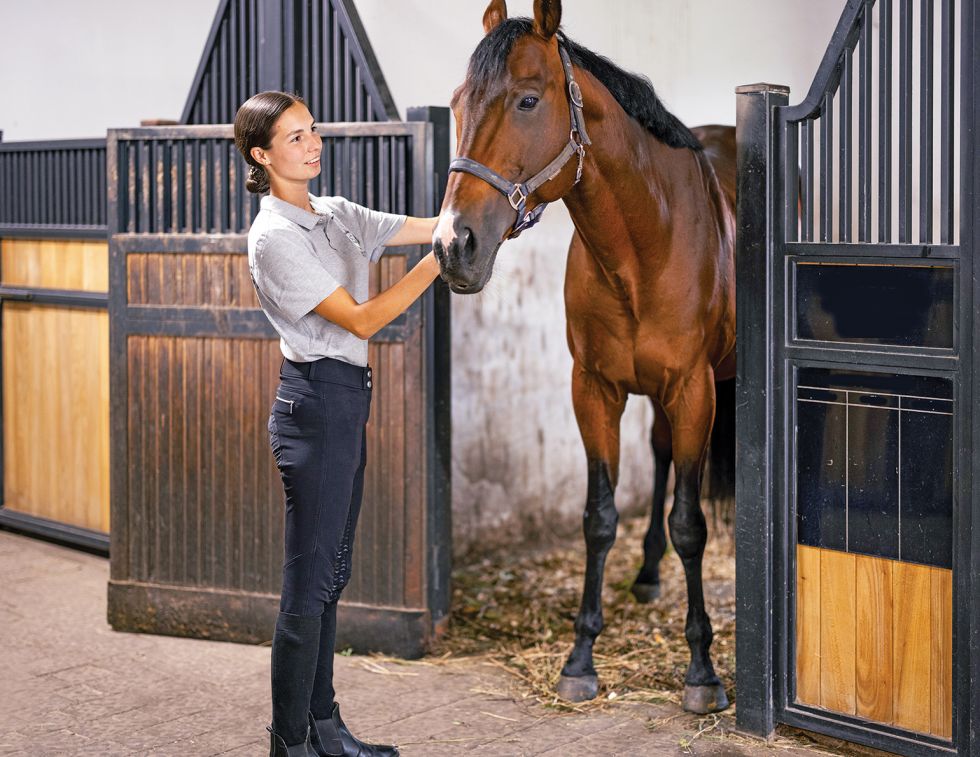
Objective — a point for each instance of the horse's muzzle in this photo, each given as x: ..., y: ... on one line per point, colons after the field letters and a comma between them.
x: 457, y: 257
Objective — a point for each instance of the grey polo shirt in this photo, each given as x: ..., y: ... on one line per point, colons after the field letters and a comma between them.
x: 297, y: 259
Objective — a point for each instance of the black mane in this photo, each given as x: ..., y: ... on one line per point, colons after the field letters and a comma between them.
x: 633, y: 92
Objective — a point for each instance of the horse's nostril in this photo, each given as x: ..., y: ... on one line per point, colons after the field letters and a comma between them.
x: 466, y: 241
x: 440, y: 251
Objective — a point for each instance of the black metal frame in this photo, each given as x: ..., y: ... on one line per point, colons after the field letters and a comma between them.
x: 769, y: 139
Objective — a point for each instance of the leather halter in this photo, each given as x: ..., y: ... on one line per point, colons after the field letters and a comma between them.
x: 517, y: 194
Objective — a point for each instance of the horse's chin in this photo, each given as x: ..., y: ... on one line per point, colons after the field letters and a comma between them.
x: 461, y: 284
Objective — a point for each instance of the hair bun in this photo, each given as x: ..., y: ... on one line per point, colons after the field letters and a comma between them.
x: 257, y: 181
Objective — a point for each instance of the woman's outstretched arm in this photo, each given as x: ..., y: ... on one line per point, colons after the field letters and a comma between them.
x: 366, y: 319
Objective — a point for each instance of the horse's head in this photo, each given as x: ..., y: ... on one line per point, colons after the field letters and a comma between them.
x: 512, y: 117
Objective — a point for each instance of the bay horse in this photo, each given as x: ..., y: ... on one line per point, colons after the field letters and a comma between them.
x: 649, y: 285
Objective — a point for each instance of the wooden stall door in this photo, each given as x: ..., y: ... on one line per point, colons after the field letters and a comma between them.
x: 55, y: 381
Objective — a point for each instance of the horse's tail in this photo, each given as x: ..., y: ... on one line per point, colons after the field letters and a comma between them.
x: 721, y: 455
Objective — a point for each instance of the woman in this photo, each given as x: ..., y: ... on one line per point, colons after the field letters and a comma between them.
x: 309, y: 259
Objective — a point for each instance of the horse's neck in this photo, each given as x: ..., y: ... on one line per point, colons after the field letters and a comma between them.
x: 625, y: 198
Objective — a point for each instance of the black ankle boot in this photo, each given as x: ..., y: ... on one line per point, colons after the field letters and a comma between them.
x: 278, y: 747
x: 331, y: 738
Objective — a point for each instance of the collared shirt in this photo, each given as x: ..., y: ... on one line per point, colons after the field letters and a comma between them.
x: 297, y: 259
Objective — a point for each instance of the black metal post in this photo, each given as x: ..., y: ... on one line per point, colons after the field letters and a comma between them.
x: 758, y: 201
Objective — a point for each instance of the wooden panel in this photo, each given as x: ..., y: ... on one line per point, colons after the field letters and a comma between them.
x: 378, y: 575
x: 837, y: 631
x: 205, y: 500
x: 56, y: 413
x: 193, y: 279
x: 54, y: 264
x: 941, y: 694
x: 808, y: 625
x: 873, y: 647
x: 912, y: 656
x: 874, y: 638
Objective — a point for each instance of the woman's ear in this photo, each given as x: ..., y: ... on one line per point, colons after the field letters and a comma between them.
x: 259, y: 155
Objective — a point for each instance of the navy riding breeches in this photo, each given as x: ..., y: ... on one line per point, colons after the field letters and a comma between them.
x: 317, y: 434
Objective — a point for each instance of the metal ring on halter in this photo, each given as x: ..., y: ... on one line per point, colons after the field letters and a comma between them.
x: 575, y: 94
x: 522, y: 198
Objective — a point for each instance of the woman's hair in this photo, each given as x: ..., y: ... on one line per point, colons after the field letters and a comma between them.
x: 253, y: 128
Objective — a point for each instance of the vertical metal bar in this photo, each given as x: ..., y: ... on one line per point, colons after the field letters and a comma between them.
x: 884, y: 121
x: 315, y: 92
x: 335, y: 66
x: 827, y: 168
x: 791, y: 157
x: 298, y: 53
x: 946, y: 125
x: 337, y: 69
x: 846, y: 101
x: 925, y: 121
x: 159, y: 166
x: 237, y: 70
x: 905, y: 122
x: 864, y: 128
x: 384, y: 168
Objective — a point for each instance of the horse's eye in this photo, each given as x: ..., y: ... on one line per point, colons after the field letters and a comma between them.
x: 528, y: 103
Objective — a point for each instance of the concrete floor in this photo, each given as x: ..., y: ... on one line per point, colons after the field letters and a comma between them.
x: 73, y: 686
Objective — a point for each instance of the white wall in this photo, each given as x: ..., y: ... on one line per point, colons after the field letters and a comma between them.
x: 74, y: 69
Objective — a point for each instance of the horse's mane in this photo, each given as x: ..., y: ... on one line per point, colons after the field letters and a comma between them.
x: 633, y: 92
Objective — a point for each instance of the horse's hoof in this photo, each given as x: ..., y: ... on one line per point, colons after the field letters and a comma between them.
x: 645, y: 593
x: 578, y: 688
x: 704, y: 699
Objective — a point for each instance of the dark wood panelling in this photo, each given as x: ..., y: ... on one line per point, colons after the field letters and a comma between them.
x: 203, y: 492
x: 191, y: 279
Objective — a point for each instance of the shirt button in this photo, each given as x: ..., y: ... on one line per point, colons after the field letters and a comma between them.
x: 368, y: 384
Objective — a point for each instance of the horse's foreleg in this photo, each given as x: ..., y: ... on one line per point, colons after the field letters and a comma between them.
x: 646, y: 588
x: 691, y: 412
x: 598, y: 408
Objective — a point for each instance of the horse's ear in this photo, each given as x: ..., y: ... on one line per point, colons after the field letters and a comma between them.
x: 547, y: 17
x: 495, y: 13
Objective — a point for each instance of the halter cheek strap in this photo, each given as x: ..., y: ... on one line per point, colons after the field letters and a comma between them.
x: 518, y: 193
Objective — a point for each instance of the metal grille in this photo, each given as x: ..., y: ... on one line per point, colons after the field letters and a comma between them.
x: 875, y: 141
x: 316, y: 48
x: 57, y: 183
x: 191, y: 180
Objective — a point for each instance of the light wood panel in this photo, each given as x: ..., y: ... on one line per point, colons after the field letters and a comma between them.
x: 808, y: 625
x: 941, y: 680
x: 874, y: 639
x: 837, y: 631
x: 56, y: 413
x: 873, y: 646
x: 55, y: 264
x: 912, y: 655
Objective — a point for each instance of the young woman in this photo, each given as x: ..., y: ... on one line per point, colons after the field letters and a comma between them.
x: 309, y: 259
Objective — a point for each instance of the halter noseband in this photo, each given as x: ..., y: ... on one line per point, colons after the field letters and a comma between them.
x: 517, y: 194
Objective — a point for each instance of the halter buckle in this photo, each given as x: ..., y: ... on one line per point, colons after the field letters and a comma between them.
x: 575, y: 94
x: 521, y: 198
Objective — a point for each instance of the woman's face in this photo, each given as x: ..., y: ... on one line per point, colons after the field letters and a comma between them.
x: 293, y: 154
